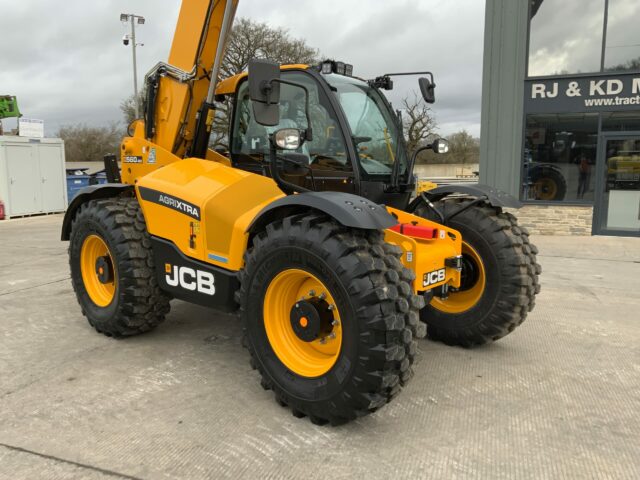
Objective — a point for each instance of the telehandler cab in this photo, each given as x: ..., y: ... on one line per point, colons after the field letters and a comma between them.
x: 329, y: 285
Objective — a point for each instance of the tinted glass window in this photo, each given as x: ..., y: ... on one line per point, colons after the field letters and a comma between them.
x: 622, y: 51
x: 373, y: 125
x: 560, y: 157
x: 566, y: 36
x: 251, y: 139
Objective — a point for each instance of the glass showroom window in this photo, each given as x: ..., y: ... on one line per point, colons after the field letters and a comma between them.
x: 565, y: 36
x: 560, y: 157
x: 620, y: 122
x: 622, y: 49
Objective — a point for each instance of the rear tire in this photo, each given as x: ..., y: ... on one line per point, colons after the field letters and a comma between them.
x: 511, y: 279
x: 378, y: 317
x: 548, y: 183
x: 137, y: 304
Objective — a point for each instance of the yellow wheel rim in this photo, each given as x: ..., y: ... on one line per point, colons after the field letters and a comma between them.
x: 463, y: 300
x: 285, y: 293
x: 546, y: 188
x: 95, y: 258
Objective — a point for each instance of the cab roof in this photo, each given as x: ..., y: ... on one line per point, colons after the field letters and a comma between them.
x: 229, y: 85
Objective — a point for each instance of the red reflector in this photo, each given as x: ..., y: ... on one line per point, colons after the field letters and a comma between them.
x: 416, y: 231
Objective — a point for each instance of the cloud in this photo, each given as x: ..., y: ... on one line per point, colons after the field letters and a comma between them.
x: 66, y: 63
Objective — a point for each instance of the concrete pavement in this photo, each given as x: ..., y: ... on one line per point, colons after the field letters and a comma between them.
x: 559, y: 398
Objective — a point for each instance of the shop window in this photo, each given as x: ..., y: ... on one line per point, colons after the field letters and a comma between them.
x: 566, y: 36
x: 622, y: 49
x: 559, y: 158
x: 621, y: 122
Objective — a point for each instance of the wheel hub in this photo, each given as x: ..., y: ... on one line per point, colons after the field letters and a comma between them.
x: 469, y: 275
x: 311, y: 319
x: 302, y: 323
x: 104, y: 270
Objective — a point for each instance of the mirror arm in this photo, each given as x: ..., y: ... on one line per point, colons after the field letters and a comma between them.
x: 414, y: 157
x: 286, y: 187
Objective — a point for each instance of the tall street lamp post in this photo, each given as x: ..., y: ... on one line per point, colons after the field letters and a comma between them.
x: 131, y: 38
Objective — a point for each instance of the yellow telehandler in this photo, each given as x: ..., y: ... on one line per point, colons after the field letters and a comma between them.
x: 329, y: 284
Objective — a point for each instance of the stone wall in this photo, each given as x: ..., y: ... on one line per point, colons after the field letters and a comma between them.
x: 555, y: 220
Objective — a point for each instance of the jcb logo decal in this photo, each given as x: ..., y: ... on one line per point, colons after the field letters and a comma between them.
x: 434, y: 277
x: 190, y: 279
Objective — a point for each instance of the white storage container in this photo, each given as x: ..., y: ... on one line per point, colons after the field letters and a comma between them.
x: 32, y: 175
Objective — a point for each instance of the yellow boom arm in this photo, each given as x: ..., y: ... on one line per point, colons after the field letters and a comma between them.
x: 179, y: 110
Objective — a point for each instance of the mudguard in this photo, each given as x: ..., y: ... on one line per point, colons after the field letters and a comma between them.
x: 348, y: 209
x: 495, y: 197
x: 106, y: 190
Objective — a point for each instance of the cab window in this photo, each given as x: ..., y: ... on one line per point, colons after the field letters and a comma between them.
x: 250, y: 140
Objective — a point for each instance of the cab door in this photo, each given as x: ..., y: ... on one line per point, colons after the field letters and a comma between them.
x: 321, y: 164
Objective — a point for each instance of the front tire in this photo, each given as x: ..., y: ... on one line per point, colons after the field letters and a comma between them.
x: 360, y: 351
x: 112, y: 268
x: 500, y: 278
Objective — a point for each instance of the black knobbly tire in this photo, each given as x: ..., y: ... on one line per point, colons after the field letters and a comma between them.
x: 138, y: 304
x: 530, y: 251
x: 377, y: 308
x: 542, y: 173
x: 511, y: 270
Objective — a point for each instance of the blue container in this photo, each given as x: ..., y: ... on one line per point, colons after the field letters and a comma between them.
x: 100, y: 178
x: 75, y: 183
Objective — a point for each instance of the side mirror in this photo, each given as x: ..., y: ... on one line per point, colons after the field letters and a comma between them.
x: 288, y: 139
x: 427, y: 88
x: 264, y: 92
x: 440, y: 146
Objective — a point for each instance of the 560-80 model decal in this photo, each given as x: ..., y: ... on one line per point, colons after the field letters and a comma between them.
x: 171, y: 202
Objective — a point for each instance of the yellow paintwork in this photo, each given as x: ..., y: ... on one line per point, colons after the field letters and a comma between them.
x: 425, y: 186
x: 459, y: 302
x: 623, y: 164
x: 229, y: 86
x: 194, y: 43
x: 229, y: 200
x: 425, y: 256
x: 307, y: 359
x: 137, y: 146
x: 92, y: 249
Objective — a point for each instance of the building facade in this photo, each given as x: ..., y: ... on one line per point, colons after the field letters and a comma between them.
x: 561, y: 112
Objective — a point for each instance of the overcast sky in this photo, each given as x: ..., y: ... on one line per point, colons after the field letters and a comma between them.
x: 66, y: 63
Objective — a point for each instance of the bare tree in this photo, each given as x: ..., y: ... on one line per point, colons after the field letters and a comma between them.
x: 418, y: 122
x: 128, y: 107
x: 250, y: 39
x: 83, y: 143
x: 464, y: 148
